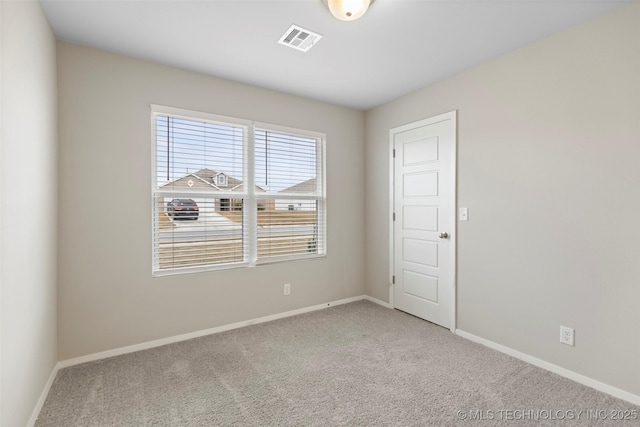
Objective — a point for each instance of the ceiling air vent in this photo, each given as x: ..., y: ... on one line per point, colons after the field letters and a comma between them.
x: 299, y: 38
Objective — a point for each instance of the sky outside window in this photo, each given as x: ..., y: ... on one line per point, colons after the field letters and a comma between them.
x: 185, y: 146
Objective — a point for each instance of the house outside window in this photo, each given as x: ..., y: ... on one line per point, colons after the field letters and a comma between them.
x: 222, y: 188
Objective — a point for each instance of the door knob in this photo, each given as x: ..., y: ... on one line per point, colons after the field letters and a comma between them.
x: 444, y: 235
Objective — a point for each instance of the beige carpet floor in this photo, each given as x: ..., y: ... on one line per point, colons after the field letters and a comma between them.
x: 357, y: 364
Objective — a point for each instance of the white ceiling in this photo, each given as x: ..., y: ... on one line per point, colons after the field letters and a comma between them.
x: 397, y: 47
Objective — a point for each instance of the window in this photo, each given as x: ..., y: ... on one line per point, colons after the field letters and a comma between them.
x: 222, y: 191
x: 221, y: 180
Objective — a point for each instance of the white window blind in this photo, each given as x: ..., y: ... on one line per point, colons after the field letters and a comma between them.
x: 289, y: 172
x: 227, y: 193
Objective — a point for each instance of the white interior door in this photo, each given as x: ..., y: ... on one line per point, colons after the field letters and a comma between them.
x: 424, y: 226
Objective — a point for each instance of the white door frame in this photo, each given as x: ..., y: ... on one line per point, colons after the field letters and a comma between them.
x: 452, y: 116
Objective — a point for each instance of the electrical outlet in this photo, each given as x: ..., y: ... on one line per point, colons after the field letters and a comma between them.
x: 287, y: 288
x: 566, y: 335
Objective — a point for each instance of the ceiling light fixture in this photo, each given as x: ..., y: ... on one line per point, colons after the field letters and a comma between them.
x: 348, y: 10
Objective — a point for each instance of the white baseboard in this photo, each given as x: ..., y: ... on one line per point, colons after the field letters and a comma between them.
x: 183, y: 337
x: 377, y: 301
x: 574, y: 376
x: 43, y: 396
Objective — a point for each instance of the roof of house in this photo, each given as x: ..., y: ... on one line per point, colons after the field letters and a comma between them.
x: 308, y: 186
x: 205, y: 179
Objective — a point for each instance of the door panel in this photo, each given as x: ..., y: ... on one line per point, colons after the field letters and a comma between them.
x: 424, y: 202
x: 420, y: 184
x: 420, y: 251
x: 421, y: 151
x: 421, y: 286
x: 423, y: 218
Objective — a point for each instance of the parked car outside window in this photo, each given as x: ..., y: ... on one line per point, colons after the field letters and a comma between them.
x: 185, y: 208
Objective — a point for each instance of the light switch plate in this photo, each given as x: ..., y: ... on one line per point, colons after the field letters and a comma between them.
x: 464, y: 214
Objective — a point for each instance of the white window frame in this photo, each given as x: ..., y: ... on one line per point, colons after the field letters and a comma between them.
x: 250, y: 211
x: 221, y: 180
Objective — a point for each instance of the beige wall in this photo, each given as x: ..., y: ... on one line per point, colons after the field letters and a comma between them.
x: 107, y: 297
x: 549, y: 166
x: 28, y: 209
